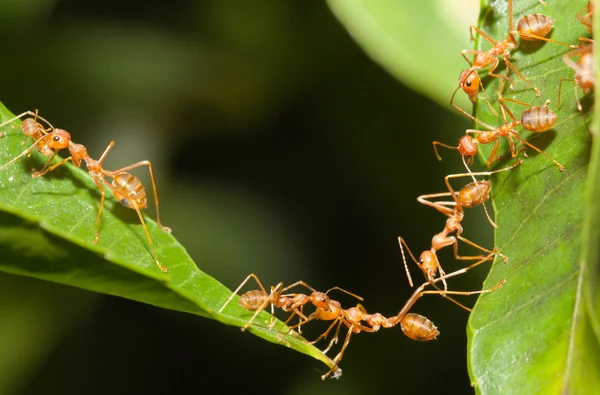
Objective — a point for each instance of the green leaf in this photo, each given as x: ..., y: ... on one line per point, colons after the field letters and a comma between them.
x: 535, y: 333
x: 47, y: 225
x: 418, y: 42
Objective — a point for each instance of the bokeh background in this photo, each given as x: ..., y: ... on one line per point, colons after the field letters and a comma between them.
x: 280, y: 149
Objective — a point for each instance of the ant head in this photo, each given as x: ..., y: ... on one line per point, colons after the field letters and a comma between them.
x: 467, y: 146
x: 469, y: 83
x: 428, y: 263
x: 58, y: 139
x: 320, y: 300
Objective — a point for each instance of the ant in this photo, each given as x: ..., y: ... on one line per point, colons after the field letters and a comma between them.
x: 529, y: 27
x: 126, y: 188
x: 473, y: 194
x: 258, y: 300
x: 414, y: 326
x: 535, y: 119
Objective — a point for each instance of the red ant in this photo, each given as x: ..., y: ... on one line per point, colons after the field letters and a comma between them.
x: 258, y: 300
x: 471, y: 195
x: 530, y: 27
x: 414, y: 326
x: 126, y: 188
x: 534, y: 119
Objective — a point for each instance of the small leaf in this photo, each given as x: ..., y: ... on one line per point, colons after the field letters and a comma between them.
x: 534, y: 334
x: 47, y: 225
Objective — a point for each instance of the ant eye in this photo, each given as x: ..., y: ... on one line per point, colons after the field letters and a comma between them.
x: 56, y: 138
x: 468, y: 83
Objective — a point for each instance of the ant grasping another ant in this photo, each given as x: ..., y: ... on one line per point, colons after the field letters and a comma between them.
x: 473, y: 194
x: 126, y: 188
x: 529, y: 27
x: 414, y: 326
x: 535, y: 119
x: 258, y: 300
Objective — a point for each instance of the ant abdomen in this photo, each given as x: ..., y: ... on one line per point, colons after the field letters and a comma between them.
x: 252, y: 300
x: 31, y: 128
x: 129, y: 189
x: 538, y: 119
x: 533, y: 26
x: 474, y: 194
x: 418, y: 327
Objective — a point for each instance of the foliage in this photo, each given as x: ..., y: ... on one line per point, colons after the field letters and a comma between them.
x: 534, y: 334
x: 46, y: 232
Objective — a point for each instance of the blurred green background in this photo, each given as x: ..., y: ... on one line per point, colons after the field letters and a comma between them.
x: 280, y: 148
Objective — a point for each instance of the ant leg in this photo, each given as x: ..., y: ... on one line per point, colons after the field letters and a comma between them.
x: 531, y: 36
x: 456, y: 302
x: 445, y: 207
x: 560, y: 167
x: 338, y: 357
x: 472, y: 244
x: 99, y: 185
x: 492, y: 158
x: 105, y: 153
x: 27, y: 151
x: 298, y: 283
x: 536, y: 90
x: 47, y: 169
x: 481, y: 33
x: 402, y: 242
x: 478, y: 173
x: 472, y: 258
x: 464, y: 293
x: 502, y: 77
x: 326, y: 333
x: 437, y: 154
